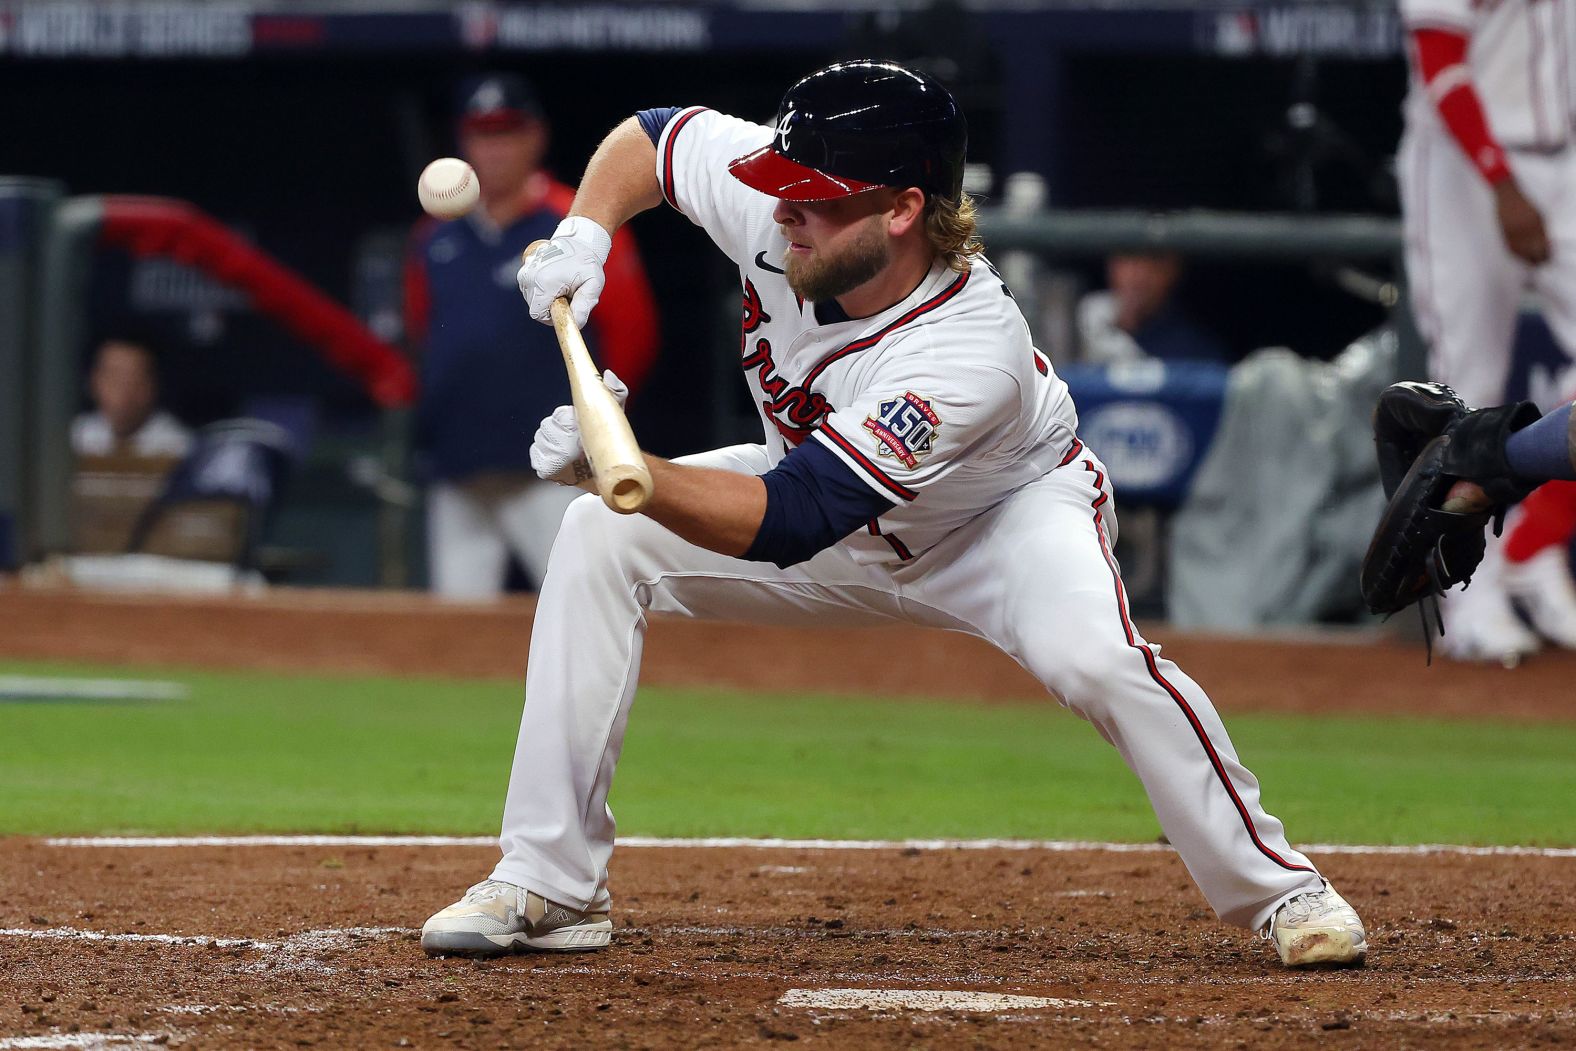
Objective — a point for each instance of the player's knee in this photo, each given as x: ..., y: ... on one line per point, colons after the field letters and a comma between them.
x: 595, y: 539
x: 1082, y: 669
x: 590, y: 533
x: 584, y: 514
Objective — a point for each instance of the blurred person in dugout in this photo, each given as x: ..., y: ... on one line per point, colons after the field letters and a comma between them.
x: 1487, y: 171
x: 489, y: 373
x: 126, y: 420
x: 1137, y: 316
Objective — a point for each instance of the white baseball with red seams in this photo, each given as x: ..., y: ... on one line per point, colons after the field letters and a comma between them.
x: 447, y: 188
x: 1002, y: 528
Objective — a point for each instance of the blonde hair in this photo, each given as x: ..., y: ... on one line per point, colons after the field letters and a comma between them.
x: 951, y: 228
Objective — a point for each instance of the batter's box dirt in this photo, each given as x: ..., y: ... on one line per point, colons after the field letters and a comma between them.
x: 300, y: 947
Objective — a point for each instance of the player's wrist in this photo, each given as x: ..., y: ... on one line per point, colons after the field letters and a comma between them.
x: 1506, y: 185
x: 588, y: 232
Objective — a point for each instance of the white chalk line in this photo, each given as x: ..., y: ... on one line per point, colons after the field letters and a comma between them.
x: 81, y: 1041
x: 817, y: 930
x: 730, y: 842
x: 273, y: 840
x: 203, y: 1010
x: 923, y: 1000
x: 74, y: 934
x: 327, y: 939
x: 32, y: 687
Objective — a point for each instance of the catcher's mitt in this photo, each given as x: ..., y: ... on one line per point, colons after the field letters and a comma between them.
x: 1408, y: 416
x: 1428, y: 441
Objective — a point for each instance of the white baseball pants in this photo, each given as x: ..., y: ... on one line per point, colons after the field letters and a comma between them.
x: 472, y: 526
x: 1035, y: 576
x: 1466, y: 286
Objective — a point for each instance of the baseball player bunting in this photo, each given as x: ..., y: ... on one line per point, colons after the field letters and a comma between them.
x: 919, y: 463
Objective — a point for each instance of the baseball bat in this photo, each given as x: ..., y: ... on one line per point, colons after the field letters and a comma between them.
x: 622, y: 478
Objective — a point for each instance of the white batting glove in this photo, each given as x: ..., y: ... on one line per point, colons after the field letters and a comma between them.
x: 569, y: 264
x: 556, y: 454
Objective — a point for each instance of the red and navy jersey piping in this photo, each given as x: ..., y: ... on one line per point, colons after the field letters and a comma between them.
x: 900, y: 548
x: 868, y: 465
x: 871, y: 340
x: 668, y: 191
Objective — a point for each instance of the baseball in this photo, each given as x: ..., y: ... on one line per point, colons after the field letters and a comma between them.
x: 447, y: 188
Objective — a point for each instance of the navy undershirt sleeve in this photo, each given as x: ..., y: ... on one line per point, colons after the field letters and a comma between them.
x: 813, y: 500
x: 1543, y: 450
x: 652, y: 121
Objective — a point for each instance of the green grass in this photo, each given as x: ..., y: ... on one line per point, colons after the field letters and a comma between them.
x: 275, y: 753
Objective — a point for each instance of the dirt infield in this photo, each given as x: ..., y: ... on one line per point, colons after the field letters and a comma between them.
x: 315, y: 946
x: 310, y: 946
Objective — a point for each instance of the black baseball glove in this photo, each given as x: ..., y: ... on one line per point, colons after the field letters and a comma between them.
x: 1428, y: 441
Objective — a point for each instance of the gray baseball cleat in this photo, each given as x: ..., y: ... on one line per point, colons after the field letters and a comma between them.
x: 496, y: 918
x: 1318, y: 928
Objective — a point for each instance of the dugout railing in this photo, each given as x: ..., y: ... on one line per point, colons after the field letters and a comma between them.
x: 44, y: 276
x: 1339, y: 240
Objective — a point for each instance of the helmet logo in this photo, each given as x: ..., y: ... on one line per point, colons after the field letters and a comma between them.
x: 488, y: 97
x: 783, y: 127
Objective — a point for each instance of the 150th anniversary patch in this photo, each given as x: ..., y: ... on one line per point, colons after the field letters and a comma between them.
x: 906, y: 428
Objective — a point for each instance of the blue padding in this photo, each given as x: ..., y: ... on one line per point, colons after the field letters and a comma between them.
x: 1151, y: 422
x: 14, y: 223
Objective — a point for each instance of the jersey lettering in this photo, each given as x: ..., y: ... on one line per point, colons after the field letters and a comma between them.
x: 754, y: 315
x: 794, y: 411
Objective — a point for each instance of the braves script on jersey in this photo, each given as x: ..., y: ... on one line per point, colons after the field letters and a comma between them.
x: 943, y: 393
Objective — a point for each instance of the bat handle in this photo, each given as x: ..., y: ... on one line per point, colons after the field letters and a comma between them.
x: 623, y: 479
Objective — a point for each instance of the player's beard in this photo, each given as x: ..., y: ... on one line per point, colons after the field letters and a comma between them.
x: 831, y: 276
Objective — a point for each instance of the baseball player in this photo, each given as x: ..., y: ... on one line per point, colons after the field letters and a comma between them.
x: 1449, y: 472
x: 919, y: 464
x: 488, y: 373
x: 1488, y: 191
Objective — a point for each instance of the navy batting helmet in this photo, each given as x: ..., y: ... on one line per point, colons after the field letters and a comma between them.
x: 854, y: 126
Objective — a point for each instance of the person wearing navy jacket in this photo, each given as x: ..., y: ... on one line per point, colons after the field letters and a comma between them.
x: 490, y: 373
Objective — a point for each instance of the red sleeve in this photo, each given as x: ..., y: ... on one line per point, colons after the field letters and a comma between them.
x: 418, y: 297
x: 1441, y: 59
x: 625, y: 319
x: 626, y: 315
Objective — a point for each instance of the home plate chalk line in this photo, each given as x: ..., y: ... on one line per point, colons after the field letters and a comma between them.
x: 81, y: 1041
x: 306, y: 942
x: 923, y: 1000
x: 723, y: 842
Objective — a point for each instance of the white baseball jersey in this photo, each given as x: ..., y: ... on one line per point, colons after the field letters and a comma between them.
x: 160, y: 435
x: 1522, y: 61
x: 942, y: 393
